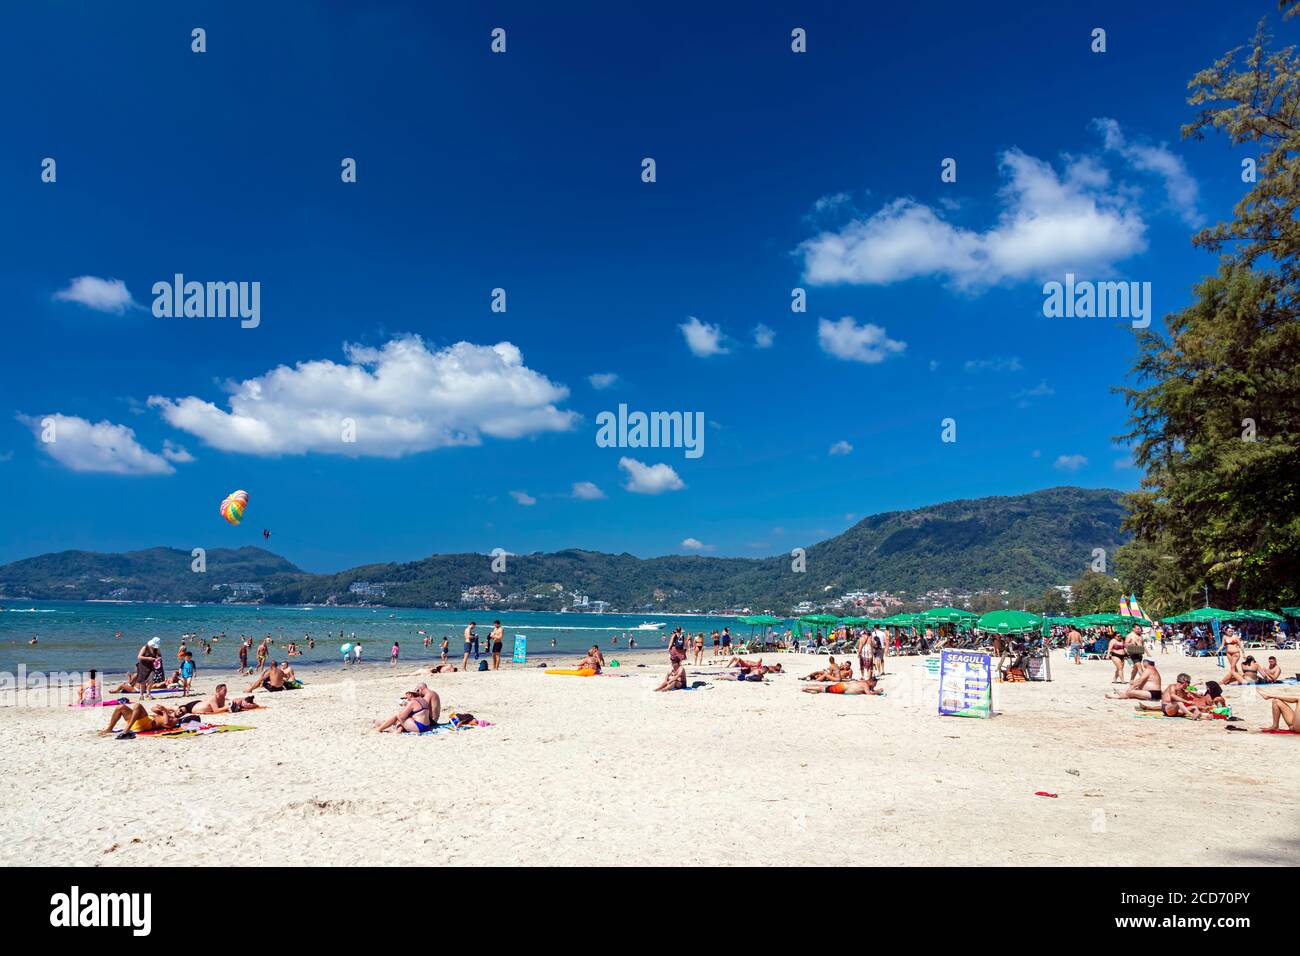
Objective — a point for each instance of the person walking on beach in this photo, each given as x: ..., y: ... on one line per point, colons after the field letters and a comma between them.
x: 726, y: 640
x: 1115, y: 651
x: 392, y: 659
x: 244, y: 645
x: 443, y: 647
x: 1076, y: 645
x: 1135, y: 647
x: 262, y: 651
x: 699, y: 648
x: 497, y: 637
x: 717, y: 642
x: 866, y: 665
x: 356, y: 653
x: 471, y: 644
x: 677, y: 646
x: 144, y: 664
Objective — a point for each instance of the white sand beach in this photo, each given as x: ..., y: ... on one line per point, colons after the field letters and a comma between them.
x: 601, y: 770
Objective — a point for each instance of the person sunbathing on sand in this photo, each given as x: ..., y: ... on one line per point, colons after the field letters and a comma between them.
x: 1269, y: 674
x: 128, y: 686
x: 138, y: 719
x: 443, y: 668
x: 1212, y: 696
x: 847, y: 687
x: 1286, y: 707
x: 88, y: 694
x: 411, y: 718
x: 676, y: 679
x: 431, y: 698
x: 271, y: 679
x: 832, y: 672
x: 594, y: 660
x: 217, y: 703
x: 1144, y: 686
x: 1174, y: 701
x: 754, y: 666
x: 214, y: 703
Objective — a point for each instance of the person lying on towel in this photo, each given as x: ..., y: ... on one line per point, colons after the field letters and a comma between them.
x: 847, y: 687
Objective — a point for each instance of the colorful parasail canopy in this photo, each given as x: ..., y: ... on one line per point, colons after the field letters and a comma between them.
x: 232, y: 507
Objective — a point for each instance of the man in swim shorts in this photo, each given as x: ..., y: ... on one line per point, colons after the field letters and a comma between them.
x: 847, y: 687
x: 498, y: 638
x: 471, y: 640
x: 1145, y: 685
x: 271, y: 679
x: 1174, y: 701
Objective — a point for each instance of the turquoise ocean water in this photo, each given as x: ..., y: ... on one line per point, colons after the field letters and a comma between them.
x: 77, y: 636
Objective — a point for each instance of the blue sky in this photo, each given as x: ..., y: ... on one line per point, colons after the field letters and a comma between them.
x: 522, y: 171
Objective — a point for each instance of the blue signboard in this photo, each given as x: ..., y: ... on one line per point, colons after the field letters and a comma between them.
x: 521, y: 649
x: 965, y: 684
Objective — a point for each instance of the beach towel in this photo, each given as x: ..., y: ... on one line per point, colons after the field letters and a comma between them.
x: 201, y: 730
x: 450, y: 727
x: 1155, y: 715
x: 1293, y: 733
x: 104, y: 703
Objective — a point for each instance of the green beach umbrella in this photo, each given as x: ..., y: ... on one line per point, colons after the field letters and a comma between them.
x: 948, y: 615
x: 820, y: 619
x: 1009, y: 622
x: 1262, y: 615
x: 762, y: 620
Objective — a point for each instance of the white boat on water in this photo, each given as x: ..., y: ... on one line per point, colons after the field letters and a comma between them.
x: 648, y: 626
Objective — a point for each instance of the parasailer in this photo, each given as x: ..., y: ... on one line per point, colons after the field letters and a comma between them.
x: 266, y: 533
x: 232, y: 508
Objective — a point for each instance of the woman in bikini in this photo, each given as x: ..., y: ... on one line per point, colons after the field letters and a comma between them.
x: 1232, y: 650
x: 1115, y: 651
x: 413, y: 718
x: 699, y: 648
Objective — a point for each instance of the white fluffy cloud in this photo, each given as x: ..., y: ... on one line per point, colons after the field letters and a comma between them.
x: 695, y: 544
x: 602, y: 380
x: 644, y: 479
x: 841, y: 448
x: 702, y: 338
x: 587, y: 491
x: 524, y: 498
x: 763, y: 336
x: 1050, y: 223
x: 1180, y: 188
x: 173, y: 452
x: 102, y: 295
x: 402, y: 397
x: 1070, y: 462
x: 104, y: 447
x: 856, y: 343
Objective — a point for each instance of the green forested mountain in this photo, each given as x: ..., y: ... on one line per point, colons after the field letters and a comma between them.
x: 155, y: 574
x: 1021, y: 544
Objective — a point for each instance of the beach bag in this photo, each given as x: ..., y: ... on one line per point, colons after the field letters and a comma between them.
x: 482, y: 665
